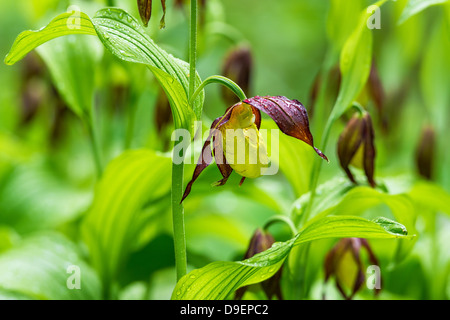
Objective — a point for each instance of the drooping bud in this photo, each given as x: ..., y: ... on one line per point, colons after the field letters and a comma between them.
x: 261, y: 241
x: 344, y: 263
x: 145, y: 11
x: 356, y: 146
x: 425, y: 152
x: 238, y: 66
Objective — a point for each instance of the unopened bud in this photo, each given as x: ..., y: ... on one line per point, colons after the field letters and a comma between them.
x: 145, y: 11
x: 261, y: 241
x: 356, y: 146
x: 238, y: 67
x: 425, y: 153
x: 344, y: 263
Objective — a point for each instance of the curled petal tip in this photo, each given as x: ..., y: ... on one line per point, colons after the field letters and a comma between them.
x: 320, y: 153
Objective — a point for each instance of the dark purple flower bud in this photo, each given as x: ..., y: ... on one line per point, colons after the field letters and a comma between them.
x: 344, y: 263
x: 238, y: 67
x: 145, y: 11
x: 356, y: 146
x: 425, y: 152
x: 261, y: 241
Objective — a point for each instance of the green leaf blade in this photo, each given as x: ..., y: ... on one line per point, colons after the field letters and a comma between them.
x: 125, y: 38
x: 60, y: 26
x: 413, y: 7
x: 218, y: 280
x: 112, y: 226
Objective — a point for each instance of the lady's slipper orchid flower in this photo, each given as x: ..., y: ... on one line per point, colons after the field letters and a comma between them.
x: 356, y: 146
x: 242, y: 121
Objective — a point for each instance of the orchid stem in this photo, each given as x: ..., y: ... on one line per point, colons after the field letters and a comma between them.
x: 192, y: 47
x: 316, y: 170
x: 179, y: 234
x: 285, y: 220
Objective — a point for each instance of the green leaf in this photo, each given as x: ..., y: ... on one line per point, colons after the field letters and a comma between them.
x: 124, y: 37
x: 35, y: 198
x: 341, y: 21
x: 72, y: 61
x: 218, y: 280
x: 60, y: 26
x: 430, y: 195
x: 112, y: 227
x: 355, y: 63
x: 39, y: 269
x: 415, y: 6
x: 351, y: 227
x: 361, y: 198
x: 328, y: 195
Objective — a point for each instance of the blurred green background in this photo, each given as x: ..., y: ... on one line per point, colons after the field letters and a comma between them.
x: 47, y: 176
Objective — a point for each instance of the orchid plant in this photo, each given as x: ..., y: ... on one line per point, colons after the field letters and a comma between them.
x: 121, y: 198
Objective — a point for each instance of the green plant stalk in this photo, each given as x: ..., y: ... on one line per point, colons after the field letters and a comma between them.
x: 179, y: 233
x: 192, y: 47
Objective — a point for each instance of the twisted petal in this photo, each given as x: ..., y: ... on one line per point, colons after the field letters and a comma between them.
x: 205, y: 158
x: 290, y: 116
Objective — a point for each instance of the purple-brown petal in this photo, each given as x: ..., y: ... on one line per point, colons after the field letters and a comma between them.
x: 369, y: 150
x: 349, y: 142
x: 290, y: 116
x: 145, y: 10
x: 221, y: 162
x: 162, y: 23
x: 205, y: 158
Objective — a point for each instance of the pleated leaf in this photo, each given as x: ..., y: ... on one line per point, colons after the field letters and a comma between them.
x: 41, y: 268
x: 218, y: 280
x: 114, y: 223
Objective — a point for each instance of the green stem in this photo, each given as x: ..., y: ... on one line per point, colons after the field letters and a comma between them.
x: 179, y: 234
x: 283, y: 219
x: 316, y: 170
x: 178, y: 219
x: 230, y: 84
x: 192, y: 47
